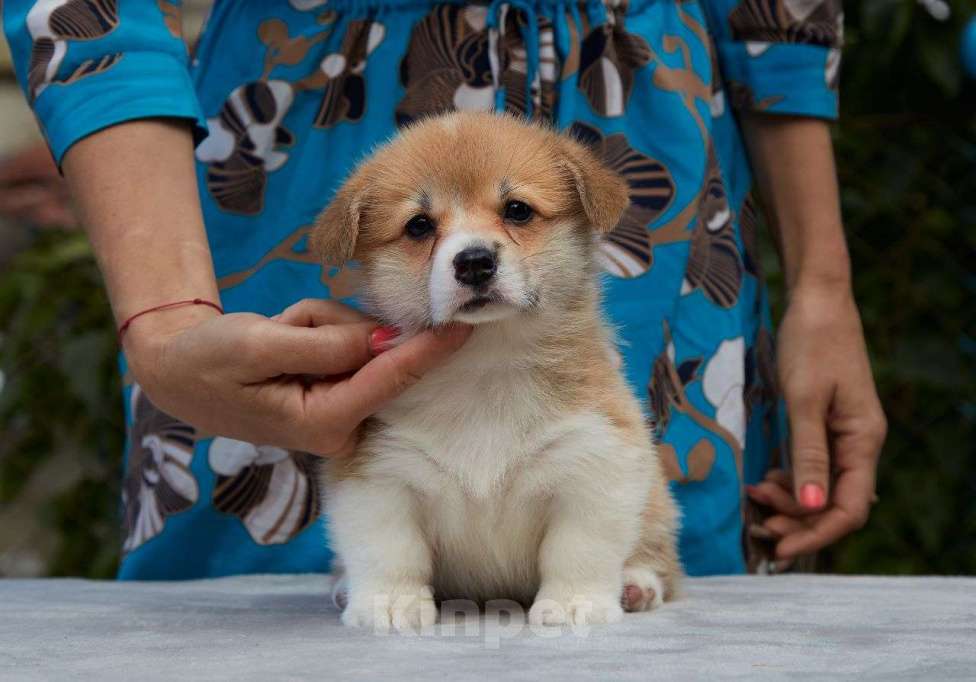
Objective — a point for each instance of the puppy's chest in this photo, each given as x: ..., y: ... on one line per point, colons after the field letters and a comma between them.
x: 483, y: 484
x: 478, y: 433
x: 484, y: 548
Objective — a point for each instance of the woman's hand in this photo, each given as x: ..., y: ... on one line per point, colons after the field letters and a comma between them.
x: 836, y: 422
x: 304, y: 380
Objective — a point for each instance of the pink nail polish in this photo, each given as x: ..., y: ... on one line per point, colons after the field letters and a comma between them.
x: 382, y: 339
x: 812, y: 496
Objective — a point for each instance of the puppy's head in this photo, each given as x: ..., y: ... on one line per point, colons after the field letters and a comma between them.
x: 474, y: 218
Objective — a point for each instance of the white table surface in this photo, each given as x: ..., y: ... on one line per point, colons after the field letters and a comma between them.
x: 283, y: 627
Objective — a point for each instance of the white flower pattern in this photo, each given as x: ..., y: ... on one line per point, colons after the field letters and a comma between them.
x: 272, y: 491
x: 158, y: 480
x: 723, y: 385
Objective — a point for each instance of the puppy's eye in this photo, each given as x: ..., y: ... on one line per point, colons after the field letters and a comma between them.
x: 518, y: 212
x: 419, y: 227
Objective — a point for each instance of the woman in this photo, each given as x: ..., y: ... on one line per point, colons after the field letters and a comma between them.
x: 280, y: 101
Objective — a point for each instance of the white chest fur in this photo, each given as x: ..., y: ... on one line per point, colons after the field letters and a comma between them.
x: 475, y: 465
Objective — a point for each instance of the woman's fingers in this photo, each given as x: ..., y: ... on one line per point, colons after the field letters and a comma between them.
x: 856, y: 423
x: 848, y: 511
x: 317, y: 351
x: 389, y: 374
x: 777, y: 497
x: 782, y: 525
x: 315, y: 312
x: 781, y: 477
x: 826, y: 529
x: 328, y: 414
x: 807, y: 410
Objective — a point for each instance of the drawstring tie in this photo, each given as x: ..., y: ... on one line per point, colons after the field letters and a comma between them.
x: 497, y: 13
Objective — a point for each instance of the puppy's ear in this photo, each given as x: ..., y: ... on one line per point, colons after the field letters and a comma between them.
x: 336, y: 229
x: 603, y: 194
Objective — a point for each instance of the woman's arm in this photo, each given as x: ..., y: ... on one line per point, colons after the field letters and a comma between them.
x: 836, y: 421
x: 136, y: 191
x: 110, y: 87
x: 233, y: 375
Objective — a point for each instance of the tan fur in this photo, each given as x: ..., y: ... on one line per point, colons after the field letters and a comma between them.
x: 472, y: 438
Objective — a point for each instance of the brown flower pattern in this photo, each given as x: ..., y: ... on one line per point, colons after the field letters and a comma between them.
x: 247, y: 139
x: 274, y: 492
x: 627, y: 250
x: 158, y: 482
x: 246, y: 142
x: 714, y: 262
x: 447, y: 65
x: 344, y: 97
x: 813, y: 22
x: 609, y: 57
x: 52, y: 25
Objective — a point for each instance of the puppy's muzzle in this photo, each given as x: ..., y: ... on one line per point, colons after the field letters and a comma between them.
x: 475, y: 266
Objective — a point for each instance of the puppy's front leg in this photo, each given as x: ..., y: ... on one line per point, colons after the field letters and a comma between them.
x: 594, y: 522
x: 386, y: 556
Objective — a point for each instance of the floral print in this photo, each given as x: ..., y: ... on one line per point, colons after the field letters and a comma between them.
x: 608, y: 58
x: 626, y: 250
x: 52, y: 24
x: 447, y: 64
x: 286, y: 96
x: 723, y: 384
x: 815, y: 22
x: 345, y: 88
x: 274, y: 492
x: 714, y: 264
x: 667, y: 384
x: 158, y: 481
x: 761, y: 24
x: 521, y: 97
x: 246, y: 142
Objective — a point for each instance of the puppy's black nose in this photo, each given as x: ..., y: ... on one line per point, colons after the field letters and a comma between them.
x: 474, y: 266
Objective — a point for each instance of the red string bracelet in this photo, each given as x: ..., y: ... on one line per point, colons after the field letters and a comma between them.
x: 166, y: 306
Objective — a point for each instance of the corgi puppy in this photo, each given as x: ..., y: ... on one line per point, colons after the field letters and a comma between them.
x: 522, y: 468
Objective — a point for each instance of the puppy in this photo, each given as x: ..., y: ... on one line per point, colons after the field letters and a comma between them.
x: 522, y: 468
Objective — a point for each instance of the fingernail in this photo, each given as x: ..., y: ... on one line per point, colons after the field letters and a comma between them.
x: 382, y: 339
x: 812, y: 496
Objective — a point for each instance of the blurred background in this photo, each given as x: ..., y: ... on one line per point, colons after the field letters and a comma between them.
x: 906, y: 149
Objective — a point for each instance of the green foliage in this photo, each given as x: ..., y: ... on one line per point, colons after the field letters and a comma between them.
x: 907, y: 159
x: 62, y: 396
x: 906, y: 150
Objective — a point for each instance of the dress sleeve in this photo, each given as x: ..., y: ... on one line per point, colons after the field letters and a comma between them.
x: 779, y: 56
x: 85, y: 65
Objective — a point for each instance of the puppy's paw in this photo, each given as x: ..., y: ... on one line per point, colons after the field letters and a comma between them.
x: 403, y: 608
x: 562, y: 606
x: 643, y: 589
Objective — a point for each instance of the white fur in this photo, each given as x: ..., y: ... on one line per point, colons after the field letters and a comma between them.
x: 478, y: 489
x: 478, y: 482
x: 648, y: 581
x: 447, y: 295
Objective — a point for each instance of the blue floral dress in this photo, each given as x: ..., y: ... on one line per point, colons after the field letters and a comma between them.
x: 286, y: 96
